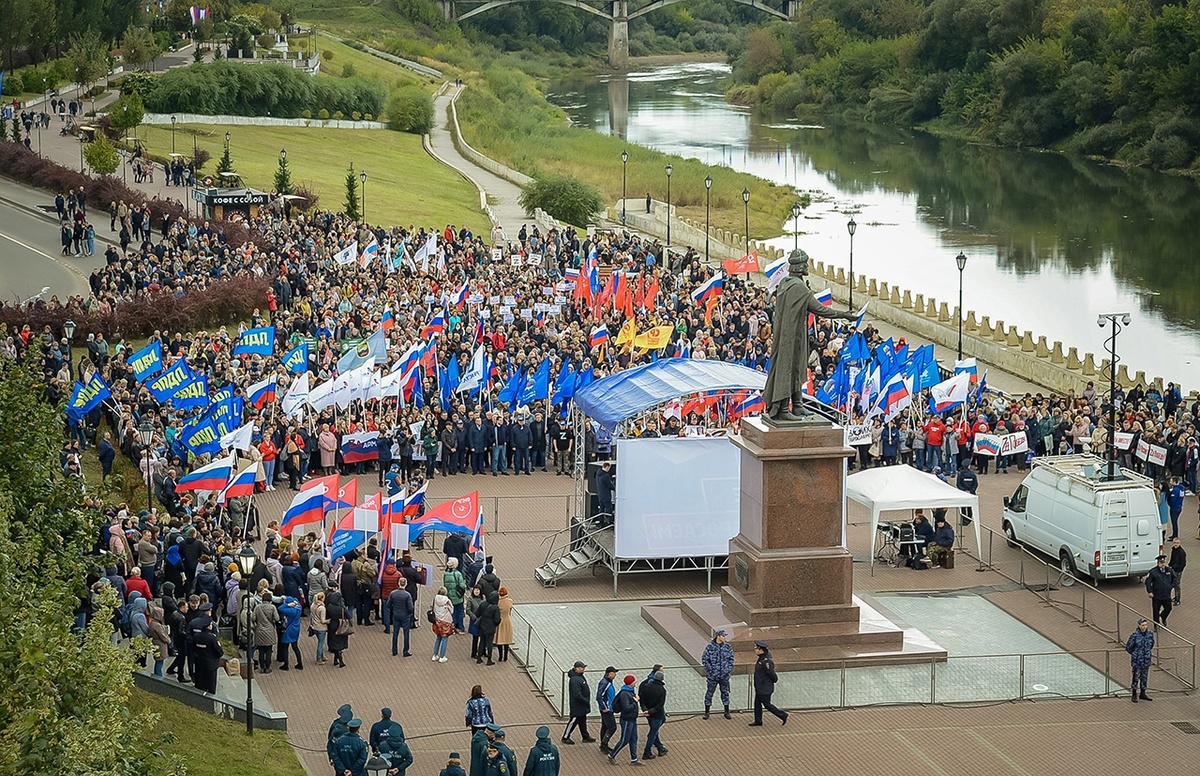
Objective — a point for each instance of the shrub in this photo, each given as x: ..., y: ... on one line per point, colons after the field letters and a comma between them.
x: 349, y: 70
x: 13, y: 84
x: 410, y: 109
x: 368, y: 117
x: 200, y: 158
x: 563, y: 197
x: 337, y: 115
x: 356, y: 116
x: 323, y: 114
x: 310, y: 198
x: 101, y: 156
x: 306, y: 114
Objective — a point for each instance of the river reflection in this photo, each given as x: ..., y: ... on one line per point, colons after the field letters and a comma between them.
x: 1051, y: 240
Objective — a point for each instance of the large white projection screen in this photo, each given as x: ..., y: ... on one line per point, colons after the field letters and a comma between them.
x: 676, y: 497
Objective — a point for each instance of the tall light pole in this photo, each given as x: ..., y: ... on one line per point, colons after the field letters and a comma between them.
x: 668, y: 208
x: 1118, y: 321
x: 961, y: 261
x: 246, y: 562
x: 624, y: 161
x: 146, y: 435
x: 746, y: 208
x: 173, y: 120
x: 707, y: 197
x: 796, y: 225
x: 69, y: 332
x: 362, y: 177
x: 851, y: 227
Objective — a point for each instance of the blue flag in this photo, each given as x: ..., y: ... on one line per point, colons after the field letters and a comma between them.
x: 169, y: 382
x: 259, y: 342
x: 147, y: 362
x: 201, y: 437
x: 584, y: 379
x: 194, y: 394
x: 512, y: 389
x: 537, y: 386
x: 86, y: 398
x: 564, y: 385
x: 296, y: 359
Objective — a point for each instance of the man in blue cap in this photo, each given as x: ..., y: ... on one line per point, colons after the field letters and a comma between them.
x: 384, y: 732
x: 543, y: 757
x: 350, y: 752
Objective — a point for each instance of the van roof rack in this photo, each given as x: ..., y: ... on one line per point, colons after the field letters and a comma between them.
x: 1089, y: 470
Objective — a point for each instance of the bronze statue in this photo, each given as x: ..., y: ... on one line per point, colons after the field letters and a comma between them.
x: 794, y: 300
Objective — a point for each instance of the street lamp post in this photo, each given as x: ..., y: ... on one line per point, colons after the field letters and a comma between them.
x: 69, y: 332
x: 378, y: 765
x: 668, y: 206
x: 1117, y: 321
x: 227, y: 137
x: 146, y: 435
x: 246, y: 562
x: 851, y: 227
x: 961, y: 261
x: 796, y: 225
x: 707, y: 197
x: 362, y: 177
x: 173, y: 120
x: 624, y: 161
x: 746, y: 208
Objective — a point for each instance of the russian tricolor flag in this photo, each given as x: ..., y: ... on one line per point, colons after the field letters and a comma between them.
x: 211, y: 476
x: 436, y: 325
x: 262, y: 392
x: 241, y: 485
x: 825, y: 297
x: 897, y: 395
x: 751, y: 405
x: 308, y: 506
x: 598, y: 337
x: 387, y: 321
x: 571, y: 275
x: 460, y: 296
x: 412, y: 504
x: 967, y: 366
x: 711, y: 289
x: 775, y: 272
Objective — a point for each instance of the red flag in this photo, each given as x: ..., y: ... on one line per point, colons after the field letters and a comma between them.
x: 652, y: 293
x: 639, y: 296
x: 748, y: 263
x: 708, y: 310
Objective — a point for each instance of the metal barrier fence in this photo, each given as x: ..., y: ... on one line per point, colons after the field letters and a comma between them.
x: 958, y: 679
x: 1085, y: 603
x: 526, y: 514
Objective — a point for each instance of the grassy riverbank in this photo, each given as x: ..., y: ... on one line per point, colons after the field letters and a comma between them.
x: 404, y: 184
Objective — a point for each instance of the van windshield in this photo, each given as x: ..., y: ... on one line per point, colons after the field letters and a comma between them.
x: 1017, y: 502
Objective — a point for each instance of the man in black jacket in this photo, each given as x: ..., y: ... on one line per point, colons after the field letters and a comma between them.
x: 764, y: 685
x: 1177, y: 563
x: 653, y: 697
x: 581, y: 704
x: 625, y: 706
x: 521, y: 438
x: 967, y: 481
x: 1159, y: 584
x: 208, y: 654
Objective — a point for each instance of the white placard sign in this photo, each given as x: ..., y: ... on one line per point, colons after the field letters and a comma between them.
x: 1158, y: 455
x: 1143, y: 449
x: 527, y: 314
x: 475, y: 298
x: 1123, y: 439
x: 858, y: 435
x: 516, y: 260
x: 507, y: 318
x: 559, y: 299
x: 564, y: 285
x: 485, y: 313
x: 534, y: 259
x: 494, y: 299
x: 510, y: 301
x: 1013, y: 443
x: 556, y: 309
x: 497, y: 254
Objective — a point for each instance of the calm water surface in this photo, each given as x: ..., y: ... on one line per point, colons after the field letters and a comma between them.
x: 1051, y: 241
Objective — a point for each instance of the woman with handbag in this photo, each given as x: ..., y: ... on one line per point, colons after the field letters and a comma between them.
x: 340, y: 625
x: 318, y: 625
x: 442, y: 619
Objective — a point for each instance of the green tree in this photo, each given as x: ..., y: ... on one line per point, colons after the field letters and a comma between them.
x: 66, y: 697
x: 410, y: 109
x: 126, y: 112
x: 101, y: 156
x: 351, y: 204
x: 563, y: 197
x: 88, y: 60
x: 226, y: 163
x: 16, y: 127
x: 283, y: 176
x: 139, y: 46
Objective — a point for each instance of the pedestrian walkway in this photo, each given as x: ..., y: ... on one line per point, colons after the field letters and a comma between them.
x: 502, y: 195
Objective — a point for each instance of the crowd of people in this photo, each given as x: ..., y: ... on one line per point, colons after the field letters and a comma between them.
x: 174, y: 565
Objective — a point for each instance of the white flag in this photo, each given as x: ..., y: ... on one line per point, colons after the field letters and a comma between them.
x: 239, y: 438
x: 348, y: 254
x: 296, y: 397
x: 425, y: 252
x: 321, y: 396
x: 473, y: 377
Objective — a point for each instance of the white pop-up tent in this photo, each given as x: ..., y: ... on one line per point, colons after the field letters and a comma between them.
x: 888, y: 488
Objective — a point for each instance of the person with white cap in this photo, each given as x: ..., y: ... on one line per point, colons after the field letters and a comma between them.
x: 1140, y: 646
x: 718, y: 667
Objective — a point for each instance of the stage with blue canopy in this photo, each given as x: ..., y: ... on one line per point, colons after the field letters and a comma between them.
x: 615, y: 398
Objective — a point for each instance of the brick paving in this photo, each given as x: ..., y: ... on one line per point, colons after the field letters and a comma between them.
x: 1016, y: 737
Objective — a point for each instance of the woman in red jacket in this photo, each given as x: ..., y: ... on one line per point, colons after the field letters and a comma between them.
x: 269, y: 453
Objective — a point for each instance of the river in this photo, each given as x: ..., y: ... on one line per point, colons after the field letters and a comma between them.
x: 1051, y: 240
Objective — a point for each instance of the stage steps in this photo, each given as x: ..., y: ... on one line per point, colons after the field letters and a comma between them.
x: 585, y: 555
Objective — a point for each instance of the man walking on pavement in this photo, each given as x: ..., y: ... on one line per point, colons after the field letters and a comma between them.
x: 653, y: 697
x: 625, y: 706
x: 718, y: 667
x: 968, y: 481
x: 1177, y: 563
x: 764, y: 685
x: 606, y: 693
x: 581, y: 704
x: 1140, y: 647
x: 1160, y: 583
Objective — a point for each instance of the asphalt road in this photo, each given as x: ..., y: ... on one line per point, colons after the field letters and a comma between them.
x: 30, y: 257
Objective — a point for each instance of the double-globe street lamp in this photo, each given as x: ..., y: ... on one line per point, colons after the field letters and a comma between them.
x: 961, y: 261
x: 362, y: 176
x: 1116, y: 321
x: 851, y: 227
x: 146, y: 436
x: 668, y: 206
x: 247, y: 559
x: 796, y: 225
x: 624, y: 162
x: 707, y: 228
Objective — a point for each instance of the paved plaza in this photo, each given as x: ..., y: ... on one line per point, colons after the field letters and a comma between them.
x: 970, y: 612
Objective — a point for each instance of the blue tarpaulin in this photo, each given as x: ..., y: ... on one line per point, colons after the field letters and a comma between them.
x: 617, y: 397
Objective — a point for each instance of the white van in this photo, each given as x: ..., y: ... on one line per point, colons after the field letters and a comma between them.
x: 1102, y: 528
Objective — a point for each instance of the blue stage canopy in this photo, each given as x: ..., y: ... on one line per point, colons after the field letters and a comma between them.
x: 623, y: 395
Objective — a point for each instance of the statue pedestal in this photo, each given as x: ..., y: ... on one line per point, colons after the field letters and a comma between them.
x: 790, y: 575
